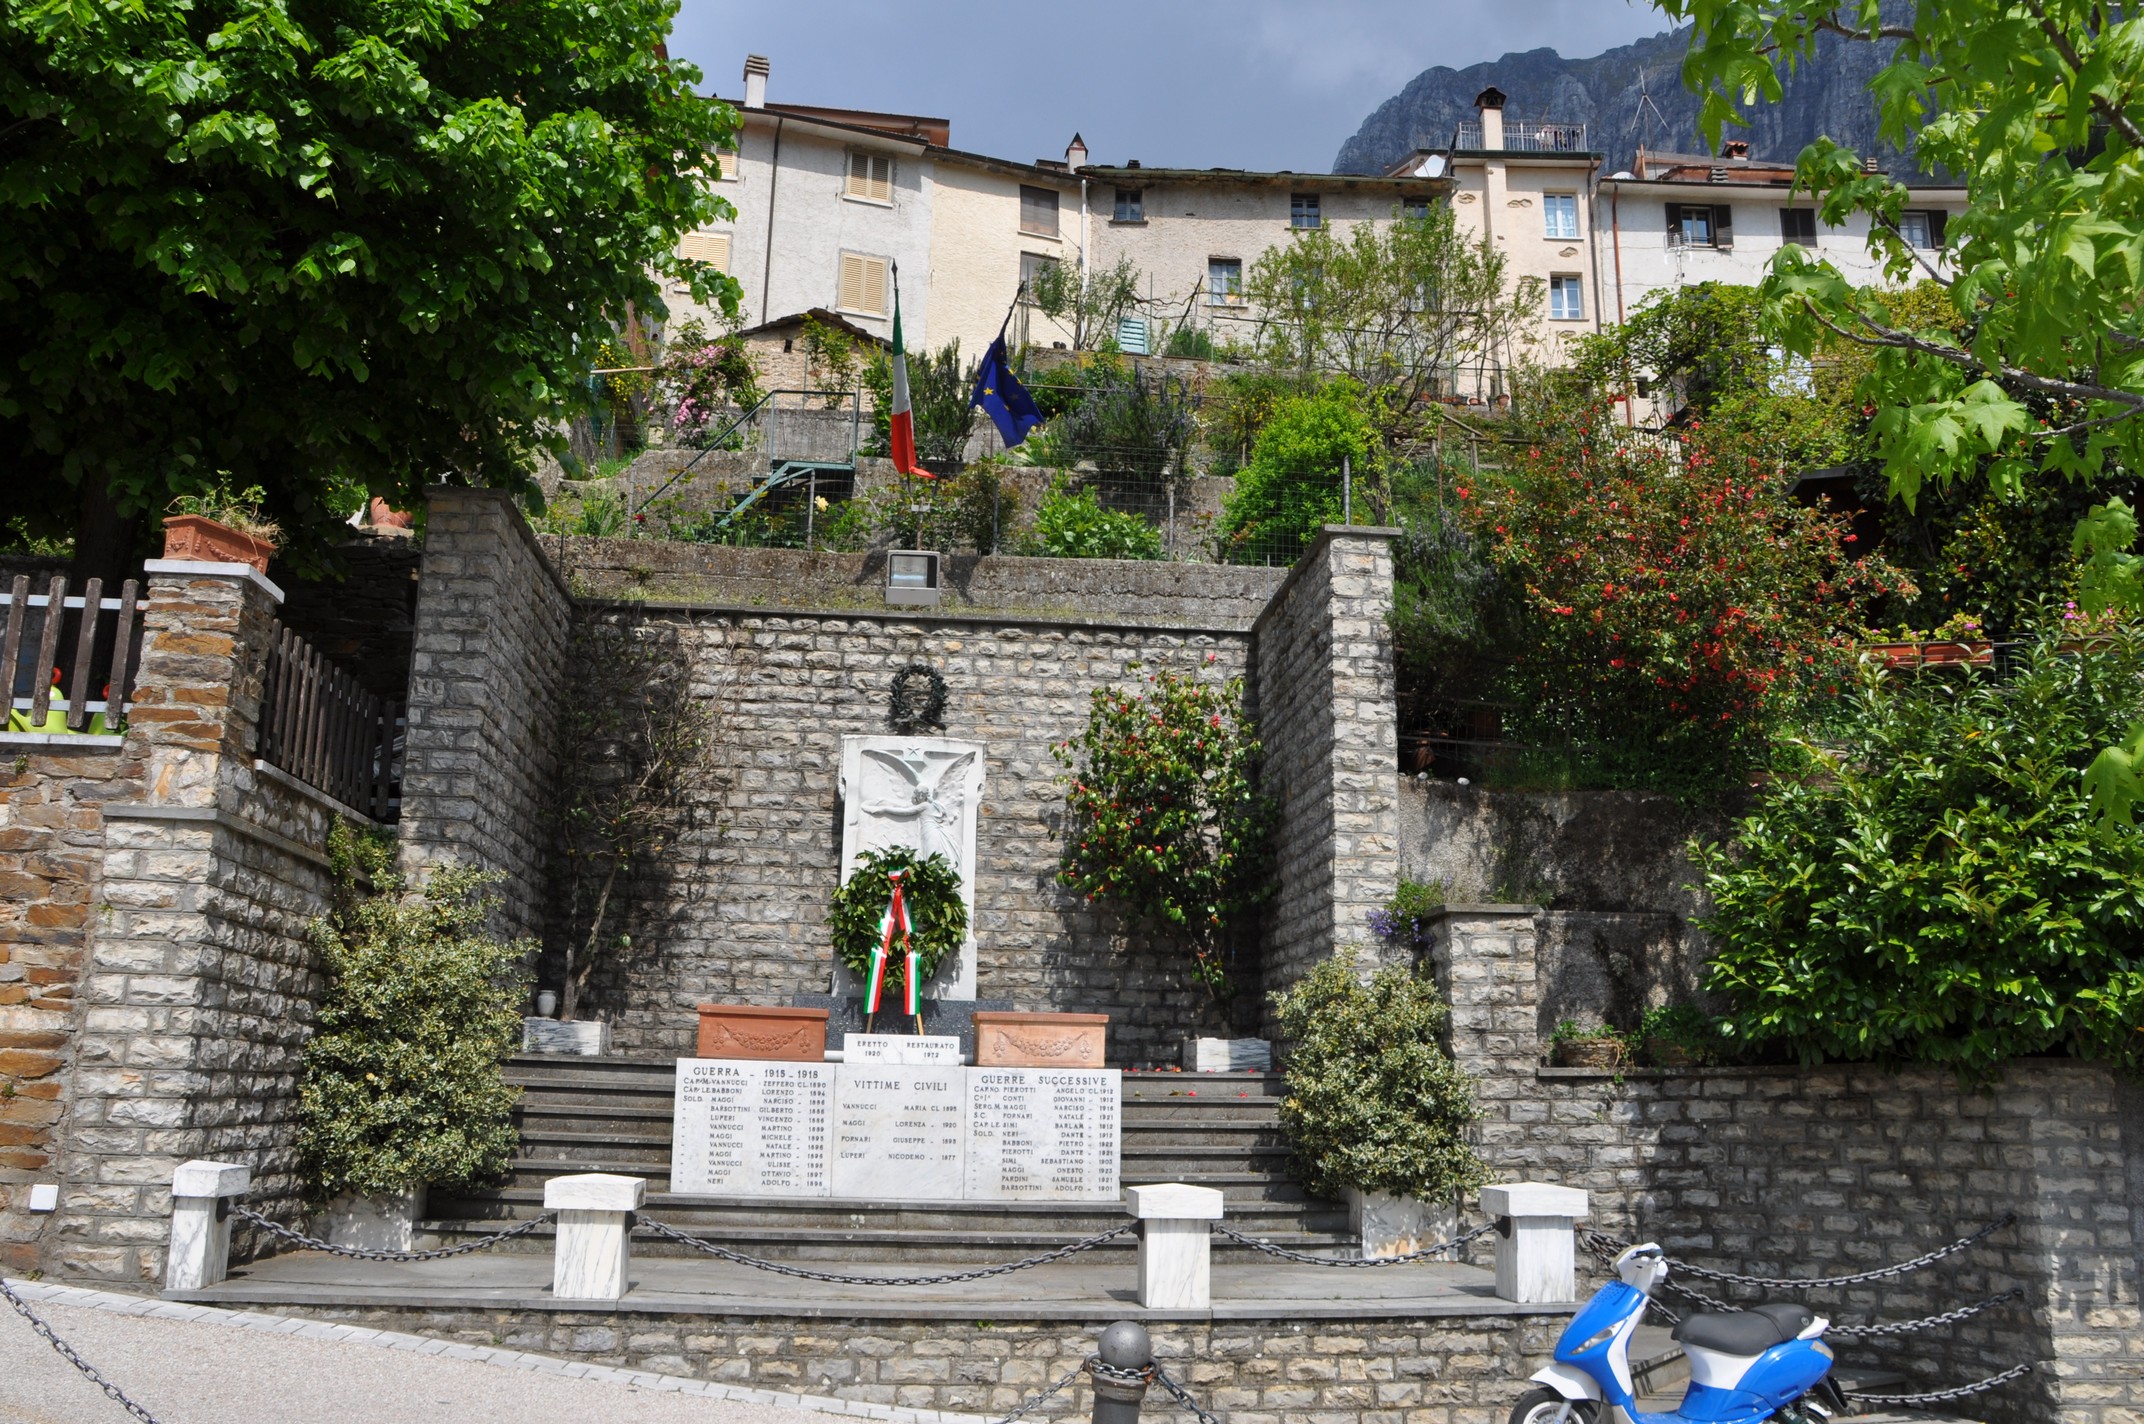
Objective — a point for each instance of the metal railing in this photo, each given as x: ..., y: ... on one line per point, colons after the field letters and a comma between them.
x: 320, y: 725
x: 1527, y: 138
x: 70, y: 662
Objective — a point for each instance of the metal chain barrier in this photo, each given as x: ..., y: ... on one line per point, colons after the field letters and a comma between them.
x: 66, y: 1352
x: 360, y: 1253
x: 1037, y: 1401
x: 1304, y: 1256
x: 1182, y: 1396
x: 803, y: 1273
x: 2008, y: 1218
x: 1937, y: 1396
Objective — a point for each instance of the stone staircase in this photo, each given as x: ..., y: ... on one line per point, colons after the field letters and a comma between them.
x: 613, y: 1115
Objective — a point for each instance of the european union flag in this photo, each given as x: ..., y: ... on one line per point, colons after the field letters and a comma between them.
x: 1003, y: 398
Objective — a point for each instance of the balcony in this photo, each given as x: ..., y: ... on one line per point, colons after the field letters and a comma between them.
x: 1527, y: 138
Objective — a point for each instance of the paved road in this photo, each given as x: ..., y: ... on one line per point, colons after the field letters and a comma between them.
x: 223, y: 1368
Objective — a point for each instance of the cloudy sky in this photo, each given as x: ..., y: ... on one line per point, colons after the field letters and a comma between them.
x: 1184, y: 83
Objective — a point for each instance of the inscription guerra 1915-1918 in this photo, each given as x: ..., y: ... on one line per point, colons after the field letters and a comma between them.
x: 909, y: 1132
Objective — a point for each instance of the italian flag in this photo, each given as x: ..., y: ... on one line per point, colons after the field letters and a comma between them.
x: 904, y: 421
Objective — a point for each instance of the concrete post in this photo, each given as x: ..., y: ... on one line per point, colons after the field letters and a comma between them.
x: 1123, y: 1346
x: 595, y: 1233
x: 1535, y: 1260
x: 201, y: 1194
x: 1175, y: 1244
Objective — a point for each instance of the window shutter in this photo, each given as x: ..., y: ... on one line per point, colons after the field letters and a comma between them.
x: 1936, y: 219
x: 874, y: 285
x: 850, y: 295
x: 871, y: 176
x: 1723, y: 226
x: 712, y: 248
x: 1038, y: 210
x: 1674, y: 224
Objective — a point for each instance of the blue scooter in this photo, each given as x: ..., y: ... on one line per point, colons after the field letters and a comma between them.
x: 1746, y: 1366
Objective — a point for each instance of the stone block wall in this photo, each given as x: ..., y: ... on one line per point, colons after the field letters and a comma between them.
x: 488, y: 655
x: 735, y: 909
x: 1458, y: 1369
x: 1782, y: 1171
x: 1323, y: 684
x: 178, y: 877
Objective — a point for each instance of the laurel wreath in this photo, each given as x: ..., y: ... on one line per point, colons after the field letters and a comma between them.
x: 930, y: 889
x: 905, y: 711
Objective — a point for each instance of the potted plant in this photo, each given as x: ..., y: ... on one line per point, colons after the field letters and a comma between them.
x: 1576, y: 1045
x: 401, y: 1086
x: 1679, y: 1036
x: 219, y: 527
x: 1375, y: 1109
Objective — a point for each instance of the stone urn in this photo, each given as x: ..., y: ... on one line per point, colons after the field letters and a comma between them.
x: 381, y: 1223
x: 1014, y: 1040
x: 198, y: 539
x: 1398, y: 1226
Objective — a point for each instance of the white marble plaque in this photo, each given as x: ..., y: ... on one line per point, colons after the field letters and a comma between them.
x: 1043, y: 1134
x: 900, y: 1132
x: 920, y: 793
x: 940, y: 1049
x: 750, y: 1128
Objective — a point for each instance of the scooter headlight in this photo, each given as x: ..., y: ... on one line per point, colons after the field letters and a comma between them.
x: 1599, y: 1339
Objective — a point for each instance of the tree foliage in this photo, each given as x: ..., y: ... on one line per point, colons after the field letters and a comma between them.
x: 1089, y: 301
x: 1374, y: 1102
x: 326, y: 246
x: 1292, y: 486
x: 401, y: 1083
x: 1924, y: 885
x: 1072, y: 524
x: 1166, y: 816
x: 1401, y: 304
x: 2038, y: 106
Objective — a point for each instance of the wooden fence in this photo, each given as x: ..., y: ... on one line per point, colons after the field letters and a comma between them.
x: 69, y: 663
x: 321, y: 726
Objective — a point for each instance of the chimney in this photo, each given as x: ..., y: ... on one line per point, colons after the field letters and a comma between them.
x: 1489, y: 105
x: 1872, y: 164
x: 1076, y: 153
x: 1735, y: 148
x: 755, y: 81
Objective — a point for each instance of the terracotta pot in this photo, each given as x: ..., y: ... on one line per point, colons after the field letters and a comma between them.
x: 750, y: 1031
x: 1009, y: 1040
x: 1932, y: 654
x: 1590, y: 1053
x: 1668, y: 1055
x: 198, y: 539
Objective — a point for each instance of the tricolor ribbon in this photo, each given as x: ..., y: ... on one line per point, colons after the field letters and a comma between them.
x: 896, y: 918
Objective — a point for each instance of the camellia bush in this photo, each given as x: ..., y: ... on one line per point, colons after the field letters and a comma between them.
x: 402, y: 1085
x: 1167, y: 818
x: 1676, y: 609
x: 1374, y: 1102
x: 1927, y: 885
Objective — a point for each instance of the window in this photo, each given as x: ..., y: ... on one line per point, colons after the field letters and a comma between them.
x: 1566, y: 299
x: 1033, y: 265
x: 1224, y: 281
x: 1559, y: 212
x: 863, y: 284
x: 1038, y: 211
x: 870, y: 177
x: 1415, y: 209
x: 1700, y: 225
x: 713, y: 248
x: 1922, y: 227
x: 1797, y: 226
x: 1303, y: 211
x: 1131, y: 205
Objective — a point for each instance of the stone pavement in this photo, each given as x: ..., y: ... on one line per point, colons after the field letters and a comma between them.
x: 192, y: 1364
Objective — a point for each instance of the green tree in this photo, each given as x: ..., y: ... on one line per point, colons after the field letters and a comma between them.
x: 1072, y: 524
x: 2038, y: 105
x: 325, y: 246
x: 938, y: 389
x: 1292, y: 486
x: 1405, y: 304
x: 1090, y: 302
x: 1923, y: 884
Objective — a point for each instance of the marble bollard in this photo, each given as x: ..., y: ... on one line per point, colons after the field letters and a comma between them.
x: 1535, y: 1260
x: 594, y: 1245
x: 1175, y: 1244
x: 201, y: 1223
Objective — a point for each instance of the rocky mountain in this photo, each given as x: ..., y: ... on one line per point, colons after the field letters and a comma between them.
x: 1626, y: 97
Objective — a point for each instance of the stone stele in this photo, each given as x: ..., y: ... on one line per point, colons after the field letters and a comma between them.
x: 919, y: 793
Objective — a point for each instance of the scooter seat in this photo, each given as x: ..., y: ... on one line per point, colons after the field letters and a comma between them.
x: 1745, y: 1332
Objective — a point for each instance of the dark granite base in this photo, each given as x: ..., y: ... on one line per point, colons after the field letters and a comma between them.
x: 949, y: 1018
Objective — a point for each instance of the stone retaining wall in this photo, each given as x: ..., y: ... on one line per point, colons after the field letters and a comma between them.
x: 1448, y: 1370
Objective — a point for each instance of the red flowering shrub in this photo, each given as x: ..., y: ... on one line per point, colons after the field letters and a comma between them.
x: 1167, y: 817
x: 1676, y: 607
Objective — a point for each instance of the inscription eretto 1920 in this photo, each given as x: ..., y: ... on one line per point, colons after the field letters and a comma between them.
x: 895, y: 1131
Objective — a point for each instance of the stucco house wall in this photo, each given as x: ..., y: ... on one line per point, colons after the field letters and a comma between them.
x: 977, y: 244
